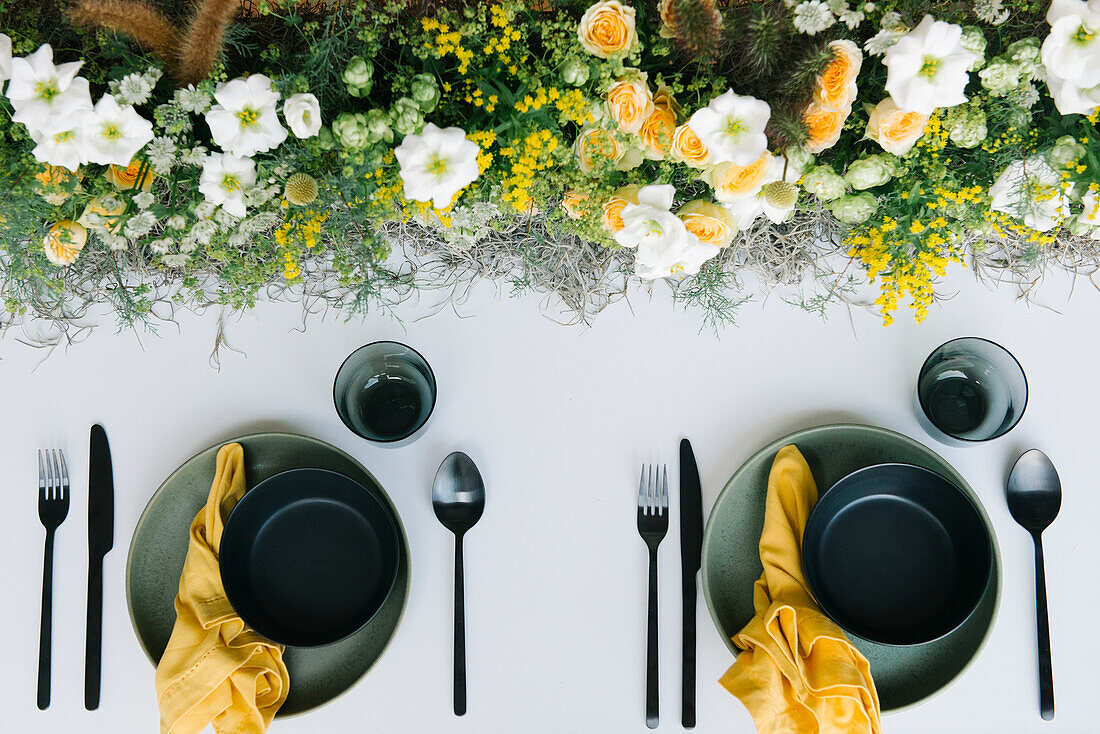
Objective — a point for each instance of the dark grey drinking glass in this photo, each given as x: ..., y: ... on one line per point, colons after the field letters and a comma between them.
x: 384, y: 391
x: 970, y: 390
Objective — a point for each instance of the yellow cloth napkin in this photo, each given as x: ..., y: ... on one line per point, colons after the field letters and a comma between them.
x: 799, y: 673
x: 215, y: 669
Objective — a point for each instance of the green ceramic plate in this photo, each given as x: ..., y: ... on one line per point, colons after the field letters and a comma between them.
x: 157, y: 551
x: 904, y: 676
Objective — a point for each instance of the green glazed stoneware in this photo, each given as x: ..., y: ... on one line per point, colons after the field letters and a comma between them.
x: 904, y: 676
x: 157, y: 551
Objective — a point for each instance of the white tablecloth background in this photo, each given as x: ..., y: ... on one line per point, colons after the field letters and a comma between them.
x: 559, y: 420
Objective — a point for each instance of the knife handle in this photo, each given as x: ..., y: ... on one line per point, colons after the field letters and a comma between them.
x: 688, y: 715
x: 92, y: 651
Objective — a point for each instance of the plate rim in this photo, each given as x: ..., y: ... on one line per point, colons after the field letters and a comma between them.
x: 777, y: 444
x: 296, y: 437
x: 396, y: 548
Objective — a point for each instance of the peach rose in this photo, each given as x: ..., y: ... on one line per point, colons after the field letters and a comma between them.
x: 824, y: 126
x: 658, y: 129
x: 710, y: 223
x: 594, y: 145
x: 688, y: 148
x: 575, y: 204
x: 835, y: 89
x: 732, y: 182
x: 64, y: 242
x: 613, y: 207
x: 50, y: 180
x: 127, y: 178
x: 607, y: 28
x: 629, y: 102
x: 97, y: 215
x: 894, y: 130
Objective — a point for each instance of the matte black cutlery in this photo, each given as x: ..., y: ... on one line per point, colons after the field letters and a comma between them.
x: 53, y: 508
x: 691, y: 549
x: 652, y: 526
x: 101, y: 531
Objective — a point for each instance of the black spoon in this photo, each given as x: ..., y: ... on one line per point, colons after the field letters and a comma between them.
x: 1034, y: 497
x: 458, y: 496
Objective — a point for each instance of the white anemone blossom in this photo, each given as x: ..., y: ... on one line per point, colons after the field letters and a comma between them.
x: 303, y: 115
x: 114, y: 134
x: 927, y: 68
x: 665, y: 247
x: 224, y: 180
x: 1071, y: 55
x: 43, y: 96
x: 1030, y: 190
x: 732, y: 128
x: 66, y: 148
x: 437, y: 164
x: 5, y: 58
x: 245, y: 121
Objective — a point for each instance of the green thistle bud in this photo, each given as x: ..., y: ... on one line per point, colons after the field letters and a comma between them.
x: 300, y: 189
x: 378, y: 126
x: 350, y: 130
x: 575, y: 73
x: 407, y: 117
x: 358, y: 75
x: 425, y: 91
x: 780, y: 194
x: 854, y: 208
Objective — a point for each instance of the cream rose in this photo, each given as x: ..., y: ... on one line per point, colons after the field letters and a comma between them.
x: 836, y: 87
x: 658, y: 129
x: 64, y: 242
x: 824, y: 126
x: 687, y: 148
x: 613, y: 207
x: 607, y: 28
x: 629, y: 102
x: 710, y: 223
x: 594, y: 145
x: 894, y: 130
x: 575, y: 204
x: 127, y: 178
x: 732, y: 182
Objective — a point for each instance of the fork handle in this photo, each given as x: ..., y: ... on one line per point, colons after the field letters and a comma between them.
x: 46, y: 630
x: 651, y: 678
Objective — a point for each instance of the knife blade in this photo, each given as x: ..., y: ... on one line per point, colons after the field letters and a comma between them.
x: 691, y: 549
x: 101, y: 535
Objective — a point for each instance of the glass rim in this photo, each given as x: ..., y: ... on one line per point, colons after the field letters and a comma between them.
x: 432, y: 381
x: 924, y: 406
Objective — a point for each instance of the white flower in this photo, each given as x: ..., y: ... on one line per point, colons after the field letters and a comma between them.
x: 244, y: 122
x: 881, y: 42
x: 65, y: 148
x: 162, y: 246
x: 1031, y: 190
x: 144, y: 200
x: 204, y: 231
x: 1071, y: 55
x: 115, y: 243
x: 746, y: 211
x: 732, y: 128
x: 161, y: 153
x: 5, y: 58
x: 176, y: 221
x: 224, y: 180
x: 665, y: 247
x: 133, y: 88
x: 303, y: 114
x: 115, y: 134
x: 139, y: 225
x: 927, y: 68
x: 175, y: 261
x: 204, y: 210
x: 192, y: 100
x: 852, y: 18
x: 991, y: 11
x: 812, y: 17
x: 45, y: 97
x: 437, y: 164
x: 195, y: 156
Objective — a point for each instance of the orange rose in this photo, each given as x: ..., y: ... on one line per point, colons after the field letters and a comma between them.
x: 594, y: 145
x: 64, y: 242
x: 657, y: 130
x: 836, y: 87
x: 894, y: 130
x: 732, y: 182
x: 607, y: 28
x: 575, y: 204
x: 710, y: 223
x: 824, y: 126
x: 688, y: 148
x: 127, y: 178
x: 613, y: 207
x: 629, y: 102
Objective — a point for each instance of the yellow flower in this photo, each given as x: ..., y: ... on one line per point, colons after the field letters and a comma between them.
x: 575, y: 204
x: 712, y: 224
x: 894, y: 130
x: 613, y: 207
x: 607, y: 28
x: 49, y: 181
x: 64, y: 242
x: 659, y: 128
x: 732, y: 182
x: 688, y: 148
x: 629, y: 102
x: 824, y: 126
x: 596, y: 144
x: 127, y: 178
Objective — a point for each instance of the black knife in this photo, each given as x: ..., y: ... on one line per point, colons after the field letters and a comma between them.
x: 101, y: 534
x: 691, y: 548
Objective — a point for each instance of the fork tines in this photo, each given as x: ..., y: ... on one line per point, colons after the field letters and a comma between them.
x: 53, y: 474
x: 653, y: 491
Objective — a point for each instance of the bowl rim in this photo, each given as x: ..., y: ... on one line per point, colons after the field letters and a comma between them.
x: 431, y: 408
x: 256, y: 492
x: 848, y: 479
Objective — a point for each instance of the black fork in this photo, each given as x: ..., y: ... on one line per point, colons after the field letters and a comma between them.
x: 53, y: 507
x: 652, y: 526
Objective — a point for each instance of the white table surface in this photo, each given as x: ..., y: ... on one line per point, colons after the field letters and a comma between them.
x: 558, y: 420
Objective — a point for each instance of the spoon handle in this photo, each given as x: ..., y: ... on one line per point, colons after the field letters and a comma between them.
x: 1046, y: 671
x: 460, y: 632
